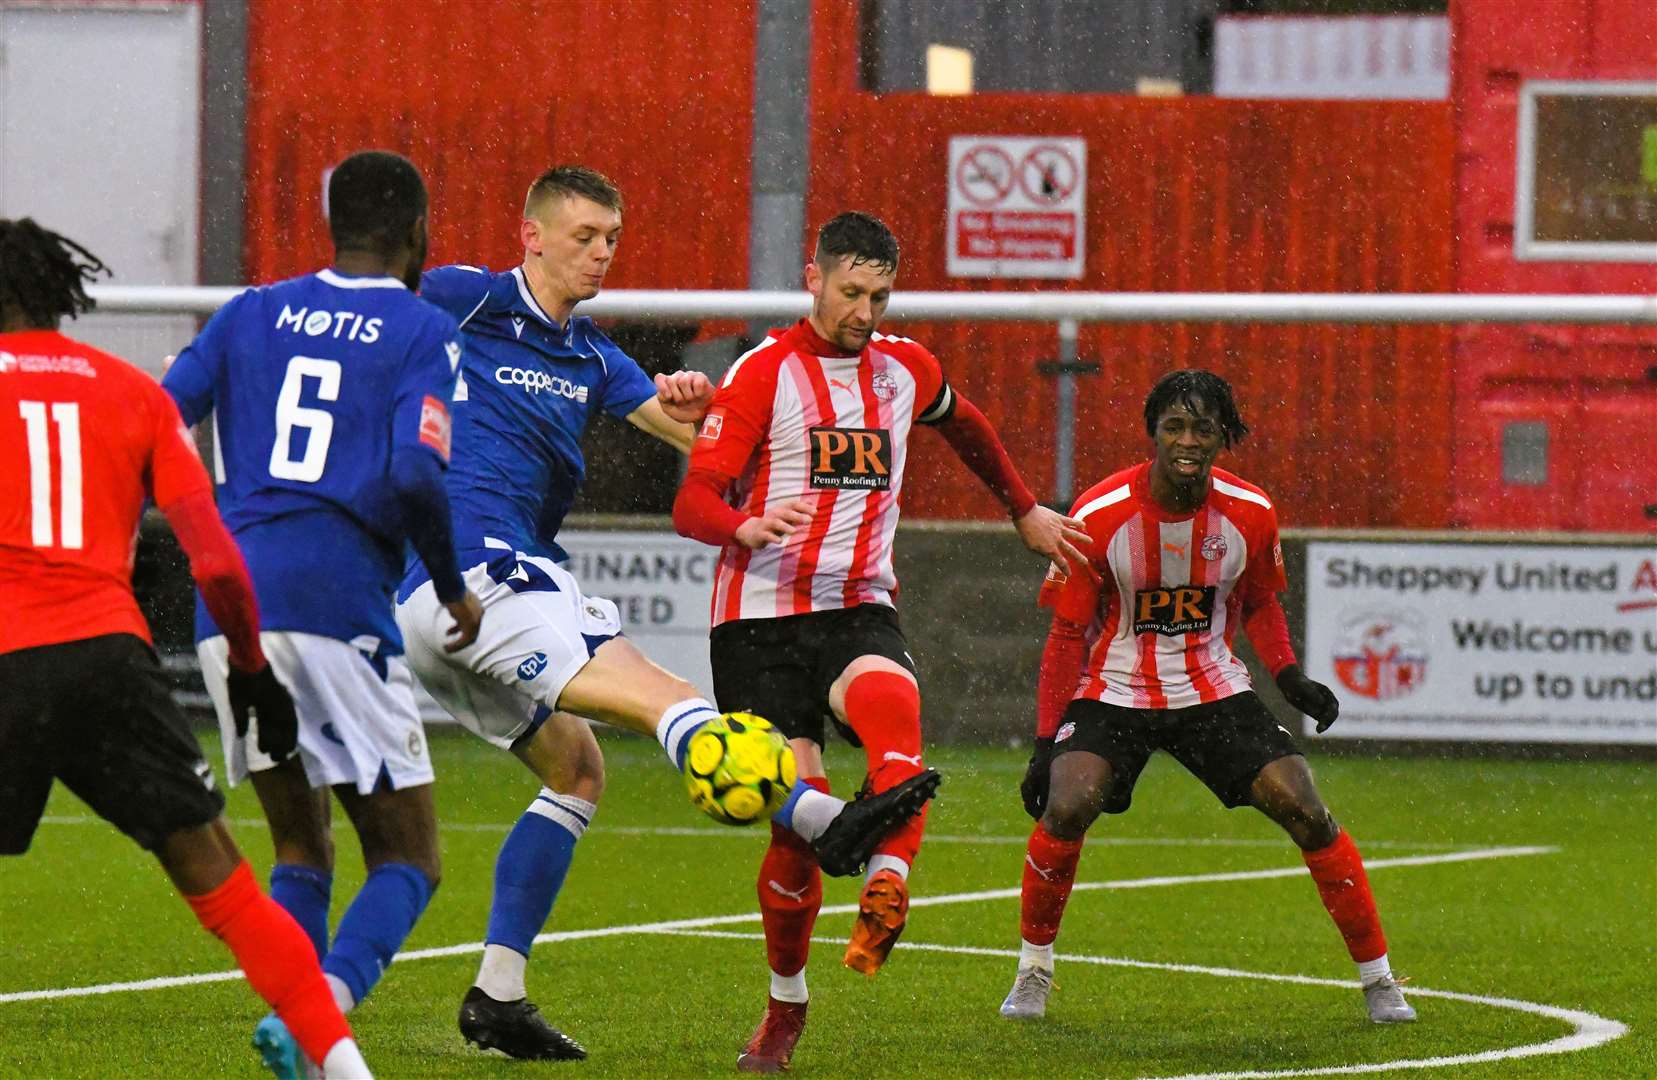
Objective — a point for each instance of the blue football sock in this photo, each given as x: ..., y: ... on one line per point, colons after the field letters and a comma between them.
x: 679, y: 723
x: 375, y: 926
x: 304, y: 893
x: 785, y: 816
x: 531, y: 866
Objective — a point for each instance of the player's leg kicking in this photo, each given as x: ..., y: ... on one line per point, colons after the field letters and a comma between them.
x: 360, y: 735
x: 880, y: 700
x: 852, y: 664
x: 547, y: 652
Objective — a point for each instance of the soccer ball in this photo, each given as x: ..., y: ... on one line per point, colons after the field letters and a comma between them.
x: 739, y: 769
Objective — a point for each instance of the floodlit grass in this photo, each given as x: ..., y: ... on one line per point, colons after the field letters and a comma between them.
x: 1572, y: 928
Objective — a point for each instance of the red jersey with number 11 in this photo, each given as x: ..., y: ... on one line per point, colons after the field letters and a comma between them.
x: 84, y: 436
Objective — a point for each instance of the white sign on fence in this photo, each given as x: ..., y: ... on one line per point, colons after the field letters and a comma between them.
x: 663, y: 586
x: 1016, y: 206
x: 1484, y: 642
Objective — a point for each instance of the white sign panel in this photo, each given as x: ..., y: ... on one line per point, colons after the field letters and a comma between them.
x: 1016, y: 206
x: 1486, y: 642
x: 663, y: 586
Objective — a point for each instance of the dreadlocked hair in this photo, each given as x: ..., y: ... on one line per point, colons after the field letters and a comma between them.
x: 44, y: 274
x: 1198, y: 391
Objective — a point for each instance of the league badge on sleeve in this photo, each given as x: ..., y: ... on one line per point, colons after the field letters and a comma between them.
x: 711, y: 425
x: 435, y: 426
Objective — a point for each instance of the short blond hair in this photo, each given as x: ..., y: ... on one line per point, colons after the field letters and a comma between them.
x: 571, y: 181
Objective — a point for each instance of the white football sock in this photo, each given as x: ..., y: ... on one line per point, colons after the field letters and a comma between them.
x: 344, y: 1062
x: 342, y: 993
x: 789, y: 987
x: 887, y: 862
x: 813, y: 813
x: 1370, y: 970
x: 678, y: 721
x: 1040, y: 956
x: 501, y: 975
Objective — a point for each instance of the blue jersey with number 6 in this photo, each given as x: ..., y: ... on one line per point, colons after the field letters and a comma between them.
x: 311, y: 384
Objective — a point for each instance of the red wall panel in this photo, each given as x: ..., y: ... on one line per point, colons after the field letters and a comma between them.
x: 1588, y: 384
x: 485, y: 94
x: 1195, y: 194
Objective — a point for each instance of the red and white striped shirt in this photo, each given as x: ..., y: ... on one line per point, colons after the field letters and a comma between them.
x: 1173, y: 591
x: 798, y: 418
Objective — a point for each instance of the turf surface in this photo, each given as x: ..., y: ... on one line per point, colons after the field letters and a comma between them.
x: 1571, y: 928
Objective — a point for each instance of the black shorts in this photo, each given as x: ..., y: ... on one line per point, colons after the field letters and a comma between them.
x: 782, y: 668
x: 1223, y: 743
x: 97, y: 714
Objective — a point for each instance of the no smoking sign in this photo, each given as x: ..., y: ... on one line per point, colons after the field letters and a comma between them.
x: 1016, y: 206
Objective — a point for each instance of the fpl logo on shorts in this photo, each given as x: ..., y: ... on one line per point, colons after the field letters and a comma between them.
x: 532, y: 667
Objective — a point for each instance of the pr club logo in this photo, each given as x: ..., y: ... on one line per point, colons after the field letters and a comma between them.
x: 1381, y: 654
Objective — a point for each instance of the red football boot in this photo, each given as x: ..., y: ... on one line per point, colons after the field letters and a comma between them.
x: 773, y: 1042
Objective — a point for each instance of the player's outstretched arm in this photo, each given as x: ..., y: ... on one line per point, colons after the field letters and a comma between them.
x: 701, y: 513
x: 1044, y: 531
x: 1048, y: 532
x: 682, y: 399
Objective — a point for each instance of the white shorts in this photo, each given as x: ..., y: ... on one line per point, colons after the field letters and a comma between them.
x: 534, y: 639
x: 356, y: 726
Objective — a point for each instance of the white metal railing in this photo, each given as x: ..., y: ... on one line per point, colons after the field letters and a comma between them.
x: 1067, y: 309
x: 666, y: 304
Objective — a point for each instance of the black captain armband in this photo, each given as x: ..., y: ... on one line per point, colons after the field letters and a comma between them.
x: 941, y: 408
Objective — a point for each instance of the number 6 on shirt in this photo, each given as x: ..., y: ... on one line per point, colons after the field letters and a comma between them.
x: 318, y: 423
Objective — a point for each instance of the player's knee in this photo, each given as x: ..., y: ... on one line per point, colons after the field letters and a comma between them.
x: 1310, y: 825
x: 1069, y: 813
x: 582, y: 777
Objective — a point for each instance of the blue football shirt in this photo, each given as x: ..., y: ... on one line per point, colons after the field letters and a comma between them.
x: 312, y: 383
x: 527, y: 389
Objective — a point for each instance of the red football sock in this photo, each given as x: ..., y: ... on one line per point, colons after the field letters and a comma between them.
x: 1339, y: 872
x: 884, y: 708
x: 1049, y: 873
x: 790, y: 892
x: 277, y: 958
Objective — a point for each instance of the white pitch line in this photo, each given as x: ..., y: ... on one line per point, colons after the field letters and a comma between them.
x: 673, y: 925
x: 1589, y: 1029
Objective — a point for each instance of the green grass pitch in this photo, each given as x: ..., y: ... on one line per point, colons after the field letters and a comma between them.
x: 1570, y: 927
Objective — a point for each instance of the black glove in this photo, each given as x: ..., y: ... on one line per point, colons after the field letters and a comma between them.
x: 263, y: 695
x: 1033, y: 788
x: 1312, y: 698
